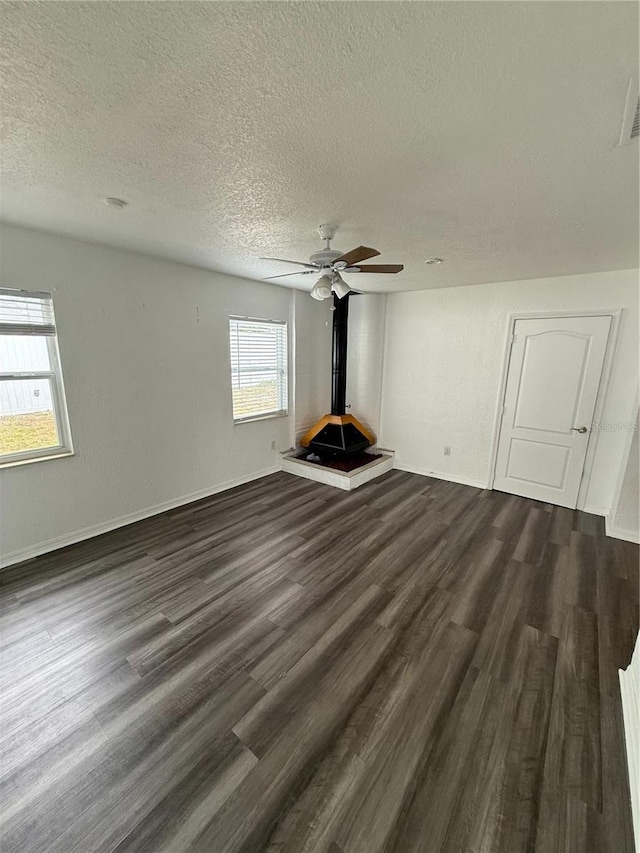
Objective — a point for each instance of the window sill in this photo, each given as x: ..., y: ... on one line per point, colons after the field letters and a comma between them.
x: 252, y: 420
x: 58, y: 454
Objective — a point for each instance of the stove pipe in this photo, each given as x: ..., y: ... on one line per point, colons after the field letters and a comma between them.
x: 339, y: 355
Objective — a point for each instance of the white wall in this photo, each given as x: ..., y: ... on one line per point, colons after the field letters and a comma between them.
x: 145, y: 356
x: 365, y: 357
x: 443, y: 357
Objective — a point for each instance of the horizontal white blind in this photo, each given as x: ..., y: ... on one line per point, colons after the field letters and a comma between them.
x: 258, y: 367
x: 24, y: 312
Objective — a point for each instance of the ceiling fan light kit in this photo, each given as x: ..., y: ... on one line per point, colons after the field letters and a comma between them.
x: 322, y: 288
x: 330, y: 263
x: 340, y: 287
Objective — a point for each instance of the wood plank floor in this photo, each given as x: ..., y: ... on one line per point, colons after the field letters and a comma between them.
x: 414, y: 667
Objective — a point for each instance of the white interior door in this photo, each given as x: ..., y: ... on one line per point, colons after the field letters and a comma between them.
x: 552, y: 384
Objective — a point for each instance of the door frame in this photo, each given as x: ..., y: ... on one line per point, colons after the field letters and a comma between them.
x: 615, y: 314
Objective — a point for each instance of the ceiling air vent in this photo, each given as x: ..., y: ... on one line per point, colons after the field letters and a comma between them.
x: 631, y: 119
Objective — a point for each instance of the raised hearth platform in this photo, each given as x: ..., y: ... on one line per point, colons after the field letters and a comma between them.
x: 347, y: 480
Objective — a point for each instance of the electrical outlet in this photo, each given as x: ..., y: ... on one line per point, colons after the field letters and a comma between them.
x: 447, y: 450
x: 273, y: 444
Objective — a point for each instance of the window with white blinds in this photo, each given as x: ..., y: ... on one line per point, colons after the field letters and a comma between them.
x: 26, y: 313
x: 259, y: 370
x: 33, y: 414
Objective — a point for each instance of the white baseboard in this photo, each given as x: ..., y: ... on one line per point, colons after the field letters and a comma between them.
x: 32, y: 551
x: 439, y: 475
x: 619, y: 532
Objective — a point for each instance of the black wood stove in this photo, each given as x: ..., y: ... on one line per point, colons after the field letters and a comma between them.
x: 338, y: 434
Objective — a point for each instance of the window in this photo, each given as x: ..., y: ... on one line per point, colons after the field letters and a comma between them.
x: 258, y: 368
x: 33, y: 414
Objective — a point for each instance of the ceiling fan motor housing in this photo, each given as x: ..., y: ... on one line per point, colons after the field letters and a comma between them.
x: 324, y: 258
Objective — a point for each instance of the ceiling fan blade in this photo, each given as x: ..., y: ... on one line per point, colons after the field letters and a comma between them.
x: 300, y: 272
x: 386, y: 268
x: 298, y: 263
x: 362, y: 253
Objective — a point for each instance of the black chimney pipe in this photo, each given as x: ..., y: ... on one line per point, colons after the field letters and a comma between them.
x: 339, y: 355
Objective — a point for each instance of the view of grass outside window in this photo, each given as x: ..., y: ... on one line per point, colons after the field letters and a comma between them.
x: 30, y: 385
x: 28, y: 432
x: 258, y: 368
x: 255, y: 398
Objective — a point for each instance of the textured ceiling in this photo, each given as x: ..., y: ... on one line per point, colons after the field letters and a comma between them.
x: 483, y: 133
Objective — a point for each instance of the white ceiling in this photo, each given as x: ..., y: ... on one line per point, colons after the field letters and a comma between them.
x: 483, y: 133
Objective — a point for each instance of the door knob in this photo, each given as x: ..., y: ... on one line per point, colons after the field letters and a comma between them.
x: 581, y: 430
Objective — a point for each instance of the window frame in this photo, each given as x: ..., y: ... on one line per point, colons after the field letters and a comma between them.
x: 279, y: 413
x: 58, y: 397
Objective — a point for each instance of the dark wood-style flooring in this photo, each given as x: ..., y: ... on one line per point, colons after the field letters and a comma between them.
x: 414, y: 667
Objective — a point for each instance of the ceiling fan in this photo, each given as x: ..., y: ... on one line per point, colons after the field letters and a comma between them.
x: 330, y: 264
